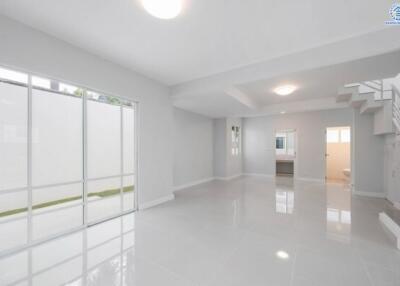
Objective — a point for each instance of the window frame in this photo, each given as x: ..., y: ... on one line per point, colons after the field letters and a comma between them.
x: 236, y: 140
x: 122, y: 102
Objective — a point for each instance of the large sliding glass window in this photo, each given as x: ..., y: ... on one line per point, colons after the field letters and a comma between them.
x: 57, y: 160
x: 67, y: 158
x: 13, y: 159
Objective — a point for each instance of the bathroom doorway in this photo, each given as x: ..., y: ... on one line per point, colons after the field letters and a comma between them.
x: 338, y: 155
x: 285, y: 153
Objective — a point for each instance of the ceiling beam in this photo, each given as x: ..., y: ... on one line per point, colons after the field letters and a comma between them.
x: 241, y: 97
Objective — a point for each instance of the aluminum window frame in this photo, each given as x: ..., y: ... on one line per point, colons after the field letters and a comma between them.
x: 29, y: 188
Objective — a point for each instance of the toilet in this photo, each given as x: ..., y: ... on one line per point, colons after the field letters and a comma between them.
x: 347, y: 173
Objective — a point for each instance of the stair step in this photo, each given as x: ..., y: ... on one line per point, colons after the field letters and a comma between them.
x: 358, y: 99
x: 370, y: 106
x: 345, y: 93
x: 373, y: 85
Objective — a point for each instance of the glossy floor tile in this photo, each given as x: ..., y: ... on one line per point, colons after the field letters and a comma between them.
x: 249, y: 231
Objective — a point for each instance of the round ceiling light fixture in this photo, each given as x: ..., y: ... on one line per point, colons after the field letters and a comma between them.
x: 163, y: 9
x: 282, y: 254
x: 284, y: 90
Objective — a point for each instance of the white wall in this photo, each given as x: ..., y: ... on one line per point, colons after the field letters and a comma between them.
x: 226, y: 164
x: 193, y: 147
x: 383, y: 117
x: 24, y: 48
x: 369, y: 156
x: 220, y: 147
x: 259, y: 148
x: 392, y: 168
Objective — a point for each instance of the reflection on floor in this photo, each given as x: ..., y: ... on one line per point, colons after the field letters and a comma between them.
x: 249, y: 231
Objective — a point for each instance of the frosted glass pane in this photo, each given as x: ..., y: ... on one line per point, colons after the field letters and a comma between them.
x: 56, y: 197
x: 52, y: 223
x: 128, y: 193
x: 13, y: 136
x: 290, y: 143
x: 56, y: 137
x: 345, y: 135
x: 13, y: 233
x: 104, y: 198
x: 13, y: 205
x: 104, y: 138
x: 332, y: 136
x: 129, y: 140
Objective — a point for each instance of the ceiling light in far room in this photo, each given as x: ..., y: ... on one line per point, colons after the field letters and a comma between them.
x: 284, y: 90
x: 283, y: 112
x: 163, y: 9
x: 282, y: 255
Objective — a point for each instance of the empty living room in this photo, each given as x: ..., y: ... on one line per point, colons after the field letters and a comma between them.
x: 199, y: 143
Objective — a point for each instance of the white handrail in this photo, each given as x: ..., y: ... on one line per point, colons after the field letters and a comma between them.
x: 378, y: 86
x: 396, y: 103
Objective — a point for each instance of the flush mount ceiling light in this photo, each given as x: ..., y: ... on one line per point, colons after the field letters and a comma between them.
x: 163, y: 9
x: 284, y: 90
x: 282, y: 254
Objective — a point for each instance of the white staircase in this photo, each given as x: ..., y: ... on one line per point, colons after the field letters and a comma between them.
x: 382, y: 98
x: 379, y: 97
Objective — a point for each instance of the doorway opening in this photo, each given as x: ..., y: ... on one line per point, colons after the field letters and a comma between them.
x: 285, y: 152
x: 338, y: 155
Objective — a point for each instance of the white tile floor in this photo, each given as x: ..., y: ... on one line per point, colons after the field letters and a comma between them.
x: 249, y: 231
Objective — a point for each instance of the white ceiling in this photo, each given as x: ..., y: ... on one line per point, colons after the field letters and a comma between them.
x: 223, y: 58
x: 209, y: 37
x: 322, y: 82
x: 317, y: 89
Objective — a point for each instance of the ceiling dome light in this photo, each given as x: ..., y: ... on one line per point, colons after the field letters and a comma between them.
x: 285, y: 90
x: 282, y: 255
x: 163, y: 9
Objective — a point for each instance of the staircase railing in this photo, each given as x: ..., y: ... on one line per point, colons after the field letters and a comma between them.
x: 396, y: 105
x: 382, y: 88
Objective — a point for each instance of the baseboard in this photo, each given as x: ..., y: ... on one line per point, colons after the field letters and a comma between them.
x: 259, y: 175
x: 391, y: 225
x: 315, y: 180
x: 228, y: 178
x: 156, y: 202
x: 396, y: 205
x: 192, y: 184
x: 369, y: 194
